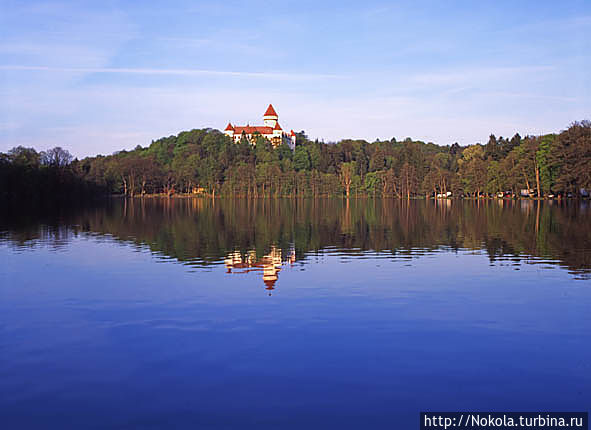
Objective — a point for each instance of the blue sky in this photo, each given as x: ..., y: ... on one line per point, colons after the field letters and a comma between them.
x: 96, y: 77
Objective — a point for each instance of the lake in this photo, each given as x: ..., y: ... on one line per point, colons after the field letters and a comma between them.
x: 193, y: 313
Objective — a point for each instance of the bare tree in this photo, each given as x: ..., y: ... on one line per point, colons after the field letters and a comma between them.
x: 346, y: 175
x: 56, y: 157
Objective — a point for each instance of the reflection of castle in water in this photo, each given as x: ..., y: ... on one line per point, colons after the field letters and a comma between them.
x: 269, y: 264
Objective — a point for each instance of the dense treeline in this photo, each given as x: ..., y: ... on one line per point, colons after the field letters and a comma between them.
x: 206, y: 161
x: 43, y: 178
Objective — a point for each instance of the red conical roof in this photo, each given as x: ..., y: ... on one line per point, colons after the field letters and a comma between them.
x: 277, y: 126
x: 270, y: 283
x: 229, y: 127
x: 292, y: 133
x: 270, y: 111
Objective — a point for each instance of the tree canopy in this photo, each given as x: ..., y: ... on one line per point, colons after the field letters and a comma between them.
x: 207, y: 161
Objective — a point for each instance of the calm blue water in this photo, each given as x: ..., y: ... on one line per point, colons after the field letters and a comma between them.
x: 230, y: 316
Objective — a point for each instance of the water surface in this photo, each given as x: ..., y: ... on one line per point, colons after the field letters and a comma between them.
x: 291, y: 313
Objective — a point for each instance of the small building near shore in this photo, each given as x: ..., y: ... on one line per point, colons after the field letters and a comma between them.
x: 271, y: 130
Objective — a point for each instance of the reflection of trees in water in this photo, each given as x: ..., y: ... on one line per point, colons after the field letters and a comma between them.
x: 204, y: 231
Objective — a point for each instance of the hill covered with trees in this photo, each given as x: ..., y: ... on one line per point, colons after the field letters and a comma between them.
x: 205, y: 161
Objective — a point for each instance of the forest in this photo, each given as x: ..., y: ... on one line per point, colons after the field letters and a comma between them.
x: 206, y: 162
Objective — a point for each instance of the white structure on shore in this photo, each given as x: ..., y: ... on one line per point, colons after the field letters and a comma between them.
x: 271, y: 130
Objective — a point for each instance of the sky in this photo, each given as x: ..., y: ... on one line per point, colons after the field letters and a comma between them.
x: 97, y: 77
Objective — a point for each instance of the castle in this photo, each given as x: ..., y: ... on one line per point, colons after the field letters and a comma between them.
x: 271, y: 130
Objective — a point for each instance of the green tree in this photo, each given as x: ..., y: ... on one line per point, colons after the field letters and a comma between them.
x: 473, y: 169
x: 301, y: 158
x: 571, y: 157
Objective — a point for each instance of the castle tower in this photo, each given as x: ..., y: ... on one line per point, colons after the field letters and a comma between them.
x: 230, y: 130
x: 270, y: 117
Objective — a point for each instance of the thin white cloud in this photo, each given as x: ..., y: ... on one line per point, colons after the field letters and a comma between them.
x: 187, y: 41
x: 478, y: 74
x: 557, y: 25
x: 517, y: 95
x: 177, y: 72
